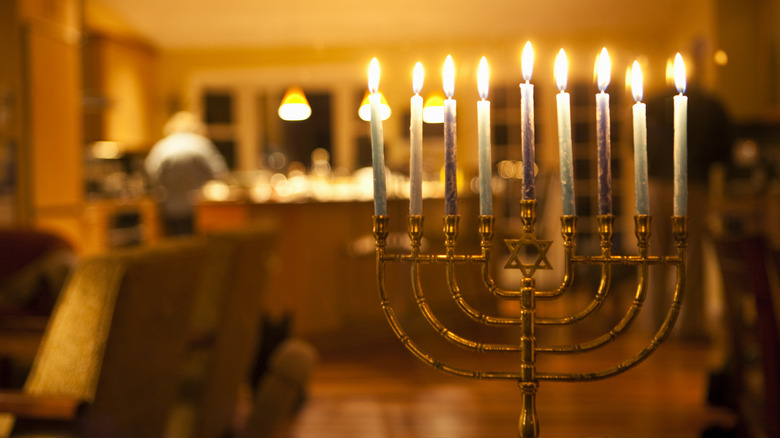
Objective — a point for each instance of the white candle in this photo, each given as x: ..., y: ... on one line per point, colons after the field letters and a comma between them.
x: 527, y: 122
x: 640, y: 142
x: 604, y: 149
x: 483, y: 129
x: 450, y: 141
x: 415, y: 136
x: 564, y: 135
x: 680, y: 140
x: 377, y: 140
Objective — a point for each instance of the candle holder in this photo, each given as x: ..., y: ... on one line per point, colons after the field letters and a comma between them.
x: 526, y: 348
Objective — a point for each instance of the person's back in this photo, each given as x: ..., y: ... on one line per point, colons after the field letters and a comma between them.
x: 177, y: 166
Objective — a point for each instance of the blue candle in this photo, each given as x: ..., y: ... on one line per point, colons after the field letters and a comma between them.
x: 680, y: 140
x: 483, y: 129
x: 415, y: 137
x: 527, y: 118
x: 564, y: 135
x: 377, y: 140
x: 640, y: 143
x: 604, y: 149
x: 450, y: 141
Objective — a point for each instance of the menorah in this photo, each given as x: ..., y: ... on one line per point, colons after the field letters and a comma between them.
x: 528, y: 377
x: 527, y: 242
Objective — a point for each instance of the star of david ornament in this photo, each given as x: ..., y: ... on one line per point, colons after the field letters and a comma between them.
x: 528, y: 269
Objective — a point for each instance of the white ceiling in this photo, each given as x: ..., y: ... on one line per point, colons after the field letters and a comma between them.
x: 322, y: 23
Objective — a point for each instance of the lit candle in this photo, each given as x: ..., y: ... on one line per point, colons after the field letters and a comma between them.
x: 680, y: 140
x: 377, y: 140
x: 415, y: 136
x: 640, y: 142
x: 604, y: 153
x: 527, y: 120
x: 483, y: 129
x: 450, y: 143
x: 564, y: 135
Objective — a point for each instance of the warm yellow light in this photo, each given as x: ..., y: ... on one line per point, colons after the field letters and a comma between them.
x: 448, y: 77
x: 106, y: 150
x: 433, y: 110
x: 561, y: 70
x: 294, y: 105
x: 364, y: 112
x: 527, y: 63
x: 483, y: 78
x: 720, y: 57
x: 417, y: 78
x: 679, y: 74
x: 604, y: 70
x: 669, y: 72
x: 636, y: 81
x: 373, y: 76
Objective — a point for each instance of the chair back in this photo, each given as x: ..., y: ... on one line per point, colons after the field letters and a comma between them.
x: 117, y: 337
x: 249, y: 253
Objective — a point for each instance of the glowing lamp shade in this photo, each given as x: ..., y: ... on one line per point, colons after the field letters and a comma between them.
x: 294, y: 105
x: 364, y: 112
x: 433, y: 109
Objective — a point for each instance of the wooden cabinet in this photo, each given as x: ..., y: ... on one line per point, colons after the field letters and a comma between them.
x: 50, y: 186
x: 120, y: 86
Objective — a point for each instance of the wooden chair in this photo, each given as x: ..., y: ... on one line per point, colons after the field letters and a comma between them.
x: 226, y: 327
x: 753, y: 381
x: 111, y: 353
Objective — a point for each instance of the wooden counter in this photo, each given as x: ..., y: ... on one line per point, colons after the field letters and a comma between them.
x: 325, y: 272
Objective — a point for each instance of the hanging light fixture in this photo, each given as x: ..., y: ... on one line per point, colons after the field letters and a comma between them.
x: 294, y: 105
x: 433, y: 110
x: 365, y: 111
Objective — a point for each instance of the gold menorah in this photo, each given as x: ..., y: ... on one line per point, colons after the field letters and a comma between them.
x: 528, y: 377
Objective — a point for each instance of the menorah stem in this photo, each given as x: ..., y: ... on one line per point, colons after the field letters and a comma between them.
x: 529, y: 422
x: 529, y: 427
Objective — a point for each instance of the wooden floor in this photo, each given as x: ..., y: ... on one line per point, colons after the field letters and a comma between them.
x: 382, y: 391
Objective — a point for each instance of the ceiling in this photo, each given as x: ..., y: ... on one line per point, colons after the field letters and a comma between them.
x: 177, y: 24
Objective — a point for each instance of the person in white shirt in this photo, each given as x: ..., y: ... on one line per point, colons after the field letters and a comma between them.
x: 178, y: 166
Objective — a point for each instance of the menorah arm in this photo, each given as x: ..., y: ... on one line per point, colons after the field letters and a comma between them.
x: 429, y: 316
x: 617, y: 330
x: 601, y: 295
x: 412, y: 346
x: 470, y: 311
x: 680, y: 232
x: 569, y: 233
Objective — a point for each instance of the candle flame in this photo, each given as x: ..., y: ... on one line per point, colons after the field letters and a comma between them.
x: 448, y: 76
x: 636, y: 81
x: 679, y: 74
x: 373, y: 76
x: 417, y: 78
x: 527, y: 63
x: 603, y: 70
x: 561, y: 70
x: 483, y: 78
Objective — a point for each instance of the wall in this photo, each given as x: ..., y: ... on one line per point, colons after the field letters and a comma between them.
x: 345, y: 68
x: 749, y: 32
